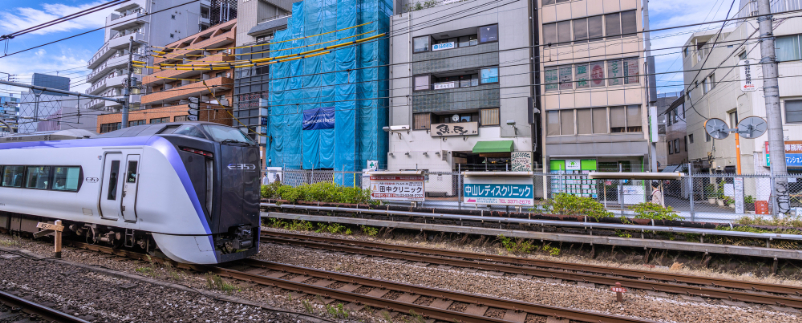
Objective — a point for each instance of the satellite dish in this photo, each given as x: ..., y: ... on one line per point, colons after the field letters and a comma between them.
x: 717, y: 128
x: 752, y: 127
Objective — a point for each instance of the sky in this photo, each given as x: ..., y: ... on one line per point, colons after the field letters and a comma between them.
x: 69, y: 57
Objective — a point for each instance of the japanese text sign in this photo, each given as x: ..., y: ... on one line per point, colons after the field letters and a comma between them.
x: 397, y: 187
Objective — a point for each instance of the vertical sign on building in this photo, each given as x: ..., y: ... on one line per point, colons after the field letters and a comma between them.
x: 746, y: 76
x: 739, y: 194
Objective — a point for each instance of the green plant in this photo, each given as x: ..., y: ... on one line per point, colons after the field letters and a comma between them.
x: 308, y: 307
x: 269, y: 191
x: 429, y: 3
x: 728, y: 200
x: 417, y: 317
x: 288, y: 193
x: 720, y: 192
x: 552, y: 251
x: 794, y: 221
x: 418, y: 6
x: 517, y: 245
x: 649, y: 210
x: 369, y: 231
x: 9, y: 242
x: 623, y: 234
x: 216, y: 282
x: 564, y: 203
x: 145, y: 270
x: 387, y: 317
x: 749, y: 199
x: 710, y: 190
x: 337, y: 311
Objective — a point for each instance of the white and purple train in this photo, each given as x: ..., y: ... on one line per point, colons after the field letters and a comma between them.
x: 189, y: 190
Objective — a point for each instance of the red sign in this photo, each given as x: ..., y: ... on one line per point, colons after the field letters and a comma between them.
x: 618, y: 289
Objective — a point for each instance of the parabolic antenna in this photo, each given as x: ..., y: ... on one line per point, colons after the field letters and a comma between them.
x: 717, y: 128
x: 752, y: 127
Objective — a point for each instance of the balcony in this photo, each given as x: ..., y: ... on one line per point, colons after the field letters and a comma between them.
x: 121, y: 40
x: 154, y: 78
x: 94, y: 104
x: 218, y: 41
x: 98, y: 87
x: 94, y: 75
x: 456, y: 99
x: 219, y: 84
x: 100, y: 56
x: 126, y: 6
x: 129, y: 19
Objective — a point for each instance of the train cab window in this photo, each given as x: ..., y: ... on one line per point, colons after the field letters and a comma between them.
x: 12, y: 176
x: 37, y: 177
x: 168, y: 130
x: 189, y: 130
x: 115, y: 170
x: 66, y: 178
x: 131, y: 172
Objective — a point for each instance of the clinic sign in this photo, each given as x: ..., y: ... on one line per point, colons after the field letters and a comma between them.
x: 747, y: 84
x: 443, y: 46
x: 394, y: 187
x: 513, y: 191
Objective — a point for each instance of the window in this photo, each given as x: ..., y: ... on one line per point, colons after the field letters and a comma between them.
x: 676, y: 146
x: 553, y: 123
x: 488, y: 75
x: 559, y: 32
x: 631, y: 71
x: 550, y: 33
x: 421, y: 121
x: 596, y: 70
x: 600, y: 120
x: 670, y: 151
x: 686, y: 143
x: 793, y: 111
x: 12, y: 176
x: 190, y: 130
x: 787, y: 48
x: 420, y: 44
x: 742, y: 55
x: 108, y: 127
x: 66, y: 178
x: 584, y: 124
x: 221, y: 133
x: 422, y: 83
x: 466, y: 41
x: 552, y: 79
x: 488, y: 34
x: 136, y: 123
x: 115, y: 170
x: 581, y: 76
x: 707, y: 137
x: 160, y: 120
x: 567, y: 122
x: 705, y: 86
x: 489, y: 117
x: 615, y: 73
x: 180, y: 118
x: 634, y: 119
x: 618, y: 119
x: 595, y: 32
x: 565, y: 78
x: 37, y: 177
x: 629, y: 23
x: 612, y: 24
x: 620, y: 23
x: 548, y: 2
x: 686, y: 50
x: 712, y: 81
x: 690, y: 138
x: 733, y: 115
x: 581, y: 30
x: 131, y: 177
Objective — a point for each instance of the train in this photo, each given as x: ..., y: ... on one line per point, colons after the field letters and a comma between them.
x: 187, y: 190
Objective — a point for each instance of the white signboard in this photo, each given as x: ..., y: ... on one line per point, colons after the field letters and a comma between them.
x: 397, y: 187
x: 739, y: 194
x: 747, y: 73
x: 573, y: 164
x: 633, y: 194
x: 521, y: 161
x: 516, y: 191
x: 373, y: 165
x: 443, y: 46
x: 445, y: 85
x: 455, y: 129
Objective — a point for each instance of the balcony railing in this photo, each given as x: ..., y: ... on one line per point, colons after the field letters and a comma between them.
x: 129, y: 12
x: 99, y: 53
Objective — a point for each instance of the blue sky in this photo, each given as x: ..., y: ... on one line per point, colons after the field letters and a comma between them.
x: 68, y: 58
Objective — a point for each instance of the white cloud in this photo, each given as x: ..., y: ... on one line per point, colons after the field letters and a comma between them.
x: 68, y: 62
x: 15, y: 19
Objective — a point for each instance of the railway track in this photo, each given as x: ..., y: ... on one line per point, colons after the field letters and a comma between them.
x: 726, y: 289
x: 358, y: 292
x: 18, y: 309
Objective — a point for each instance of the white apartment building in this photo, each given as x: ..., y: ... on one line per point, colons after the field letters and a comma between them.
x: 149, y: 24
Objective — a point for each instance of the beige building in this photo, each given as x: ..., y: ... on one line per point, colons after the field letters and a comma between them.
x: 592, y: 88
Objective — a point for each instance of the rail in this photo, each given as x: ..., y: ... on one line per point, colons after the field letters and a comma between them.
x: 33, y: 308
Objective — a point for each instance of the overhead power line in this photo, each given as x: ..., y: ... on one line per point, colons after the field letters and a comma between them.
x: 63, y: 19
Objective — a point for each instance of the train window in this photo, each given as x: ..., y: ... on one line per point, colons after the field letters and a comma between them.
x: 131, y: 172
x: 227, y: 134
x: 37, y: 177
x: 189, y: 130
x: 66, y: 178
x: 115, y: 170
x: 12, y: 176
x: 168, y: 130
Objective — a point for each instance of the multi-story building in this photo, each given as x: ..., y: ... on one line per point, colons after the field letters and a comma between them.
x: 147, y: 23
x: 593, y: 90
x: 9, y: 109
x: 674, y: 137
x: 169, y: 89
x: 459, y: 87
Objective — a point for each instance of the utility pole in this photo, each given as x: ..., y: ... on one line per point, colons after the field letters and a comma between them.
x: 771, y: 94
x: 129, y: 84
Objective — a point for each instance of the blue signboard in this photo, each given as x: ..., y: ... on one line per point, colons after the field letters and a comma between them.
x: 319, y: 118
x: 443, y: 46
x: 504, y: 194
x: 793, y: 160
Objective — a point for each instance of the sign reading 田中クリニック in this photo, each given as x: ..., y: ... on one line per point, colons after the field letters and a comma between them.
x: 397, y: 187
x: 516, y: 191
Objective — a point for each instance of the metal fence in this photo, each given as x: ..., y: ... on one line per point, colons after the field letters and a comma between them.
x: 696, y: 197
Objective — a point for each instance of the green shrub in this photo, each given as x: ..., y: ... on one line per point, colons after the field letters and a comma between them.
x: 517, y: 245
x: 649, y: 210
x: 319, y: 192
x: 569, y: 204
x: 749, y: 199
x: 269, y: 191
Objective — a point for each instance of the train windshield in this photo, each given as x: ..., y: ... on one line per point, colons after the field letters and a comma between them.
x: 227, y: 134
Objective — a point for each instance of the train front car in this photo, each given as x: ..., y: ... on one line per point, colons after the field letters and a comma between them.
x: 224, y: 174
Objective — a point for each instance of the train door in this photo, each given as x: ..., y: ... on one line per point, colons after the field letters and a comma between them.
x: 110, y: 192
x: 130, y: 185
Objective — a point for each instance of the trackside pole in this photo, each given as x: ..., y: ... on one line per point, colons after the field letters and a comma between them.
x: 57, y: 248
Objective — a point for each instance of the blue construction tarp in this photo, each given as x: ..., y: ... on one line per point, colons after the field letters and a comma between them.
x: 350, y: 83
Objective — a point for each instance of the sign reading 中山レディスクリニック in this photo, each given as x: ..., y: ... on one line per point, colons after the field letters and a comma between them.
x: 397, y: 187
x: 515, y: 191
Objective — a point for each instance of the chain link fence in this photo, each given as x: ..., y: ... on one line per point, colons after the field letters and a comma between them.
x: 696, y: 197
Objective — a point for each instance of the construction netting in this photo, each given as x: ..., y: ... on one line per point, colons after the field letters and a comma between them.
x: 327, y: 111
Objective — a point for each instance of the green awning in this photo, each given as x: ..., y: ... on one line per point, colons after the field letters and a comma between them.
x: 501, y: 146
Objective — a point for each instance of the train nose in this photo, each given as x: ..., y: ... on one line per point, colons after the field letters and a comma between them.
x: 240, y: 186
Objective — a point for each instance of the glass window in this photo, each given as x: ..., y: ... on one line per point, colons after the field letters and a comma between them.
x: 600, y: 120
x: 552, y: 79
x: 617, y: 119
x: 712, y: 80
x: 676, y: 145
x: 565, y: 78
x: 190, y: 130
x: 37, y: 177
x: 742, y: 55
x: 553, y: 123
x: 615, y: 72
x: 633, y: 119
x: 550, y: 33
x: 548, y: 2
x: 488, y: 75
x: 584, y: 125
x: 113, y: 174
x: 786, y: 48
x: 474, y: 40
x: 580, y: 30
x: 596, y: 74
x: 160, y: 120
x: 422, y: 83
x: 595, y: 31
x: 131, y: 174
x: 707, y: 137
x: 612, y: 24
x: 227, y: 134
x: 629, y: 24
x: 422, y: 121
x: 180, y: 118
x: 793, y: 111
x: 670, y: 151
x: 475, y: 80
x: 488, y: 33
x: 631, y: 71
x: 136, y: 123
x: 567, y: 122
x: 686, y: 143
x: 705, y: 86
x: 66, y: 178
x: 564, y: 31
x: 582, y: 76
x: 420, y: 44
x: 690, y: 138
x: 490, y: 117
x: 12, y: 176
